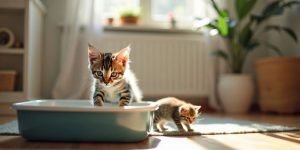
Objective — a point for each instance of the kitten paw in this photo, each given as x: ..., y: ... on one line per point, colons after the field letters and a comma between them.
x: 98, y: 101
x: 156, y: 130
x: 164, y: 129
x: 190, y: 130
x: 123, y: 102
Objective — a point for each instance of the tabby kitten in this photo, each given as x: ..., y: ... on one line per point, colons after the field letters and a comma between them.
x: 173, y: 109
x: 113, y: 80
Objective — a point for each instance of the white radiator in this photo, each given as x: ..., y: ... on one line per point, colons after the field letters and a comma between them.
x: 165, y: 64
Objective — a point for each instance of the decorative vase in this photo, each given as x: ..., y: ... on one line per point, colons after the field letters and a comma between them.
x: 279, y: 84
x: 236, y: 92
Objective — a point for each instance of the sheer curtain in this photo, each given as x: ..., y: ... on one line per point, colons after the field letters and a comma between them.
x: 82, y: 25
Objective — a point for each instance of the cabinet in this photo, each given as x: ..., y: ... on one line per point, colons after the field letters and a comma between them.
x: 25, y: 19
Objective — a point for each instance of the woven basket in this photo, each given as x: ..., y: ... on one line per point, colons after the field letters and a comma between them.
x: 7, y: 80
x: 279, y: 84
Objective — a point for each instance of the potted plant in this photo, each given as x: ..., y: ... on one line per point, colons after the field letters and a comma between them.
x: 278, y: 77
x: 129, y: 16
x: 279, y: 84
x: 236, y: 89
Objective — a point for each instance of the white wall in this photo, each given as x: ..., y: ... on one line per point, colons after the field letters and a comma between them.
x: 283, y: 41
x: 51, y: 56
x: 55, y: 15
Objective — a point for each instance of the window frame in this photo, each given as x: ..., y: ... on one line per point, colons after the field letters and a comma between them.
x: 147, y: 20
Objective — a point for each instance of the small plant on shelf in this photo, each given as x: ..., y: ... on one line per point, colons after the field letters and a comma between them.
x: 129, y: 16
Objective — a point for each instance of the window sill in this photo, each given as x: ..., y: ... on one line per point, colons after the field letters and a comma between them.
x: 148, y: 29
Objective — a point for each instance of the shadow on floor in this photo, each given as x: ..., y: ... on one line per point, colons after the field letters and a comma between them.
x: 292, y: 136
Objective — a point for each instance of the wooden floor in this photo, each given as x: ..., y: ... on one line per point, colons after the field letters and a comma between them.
x: 283, y: 140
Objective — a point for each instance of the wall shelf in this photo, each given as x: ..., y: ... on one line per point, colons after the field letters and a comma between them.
x: 12, y: 51
x: 149, y: 29
x: 25, y: 18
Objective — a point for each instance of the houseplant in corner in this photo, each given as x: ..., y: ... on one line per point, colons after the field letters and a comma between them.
x: 278, y: 77
x: 236, y: 89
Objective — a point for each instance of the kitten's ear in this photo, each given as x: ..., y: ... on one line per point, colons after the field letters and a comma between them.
x: 197, y: 108
x: 123, y: 55
x: 93, y: 53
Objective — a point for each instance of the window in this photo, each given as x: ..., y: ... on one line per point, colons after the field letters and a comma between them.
x: 156, y: 12
x: 161, y: 10
x: 111, y: 8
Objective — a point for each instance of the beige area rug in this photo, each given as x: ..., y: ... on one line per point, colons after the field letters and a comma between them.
x: 209, y: 125
x: 205, y: 125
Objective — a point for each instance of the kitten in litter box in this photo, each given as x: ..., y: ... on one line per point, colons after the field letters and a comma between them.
x: 114, y: 82
x: 173, y: 109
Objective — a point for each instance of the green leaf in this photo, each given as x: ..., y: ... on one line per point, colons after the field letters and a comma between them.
x: 212, y: 25
x: 275, y: 8
x: 249, y: 6
x: 225, y: 13
x: 238, y: 7
x: 246, y: 35
x: 216, y: 7
x: 291, y: 33
x: 275, y: 49
x: 273, y: 27
x: 251, y: 46
x: 244, y: 7
x: 222, y: 26
x: 221, y: 53
x: 231, y: 28
x: 291, y: 3
x: 258, y: 19
x: 272, y: 9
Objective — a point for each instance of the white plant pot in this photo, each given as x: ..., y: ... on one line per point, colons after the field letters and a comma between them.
x: 236, y: 92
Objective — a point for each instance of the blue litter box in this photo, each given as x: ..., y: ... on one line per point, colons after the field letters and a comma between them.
x: 79, y: 120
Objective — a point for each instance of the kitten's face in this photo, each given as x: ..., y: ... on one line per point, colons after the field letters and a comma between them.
x: 108, y: 68
x: 189, y: 112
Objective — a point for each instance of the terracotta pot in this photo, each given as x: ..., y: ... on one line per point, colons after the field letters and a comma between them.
x: 279, y: 84
x: 236, y: 92
x: 130, y: 20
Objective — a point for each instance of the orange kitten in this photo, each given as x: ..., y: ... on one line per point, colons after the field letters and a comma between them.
x: 173, y: 109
